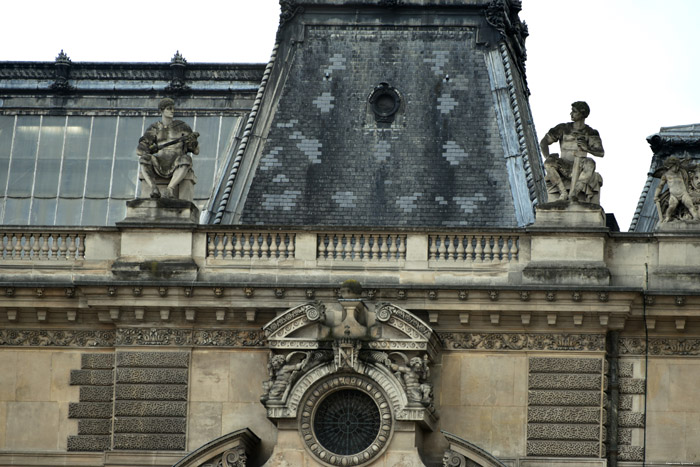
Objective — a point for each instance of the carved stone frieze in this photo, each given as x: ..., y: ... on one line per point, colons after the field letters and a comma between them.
x: 660, y: 346
x: 522, y: 341
x: 153, y: 336
x: 228, y: 338
x: 56, y: 338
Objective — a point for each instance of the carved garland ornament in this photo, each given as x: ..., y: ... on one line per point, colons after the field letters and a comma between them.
x: 339, y: 408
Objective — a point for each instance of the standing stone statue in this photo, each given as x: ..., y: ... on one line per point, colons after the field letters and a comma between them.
x: 165, y: 155
x: 678, y: 202
x: 572, y: 176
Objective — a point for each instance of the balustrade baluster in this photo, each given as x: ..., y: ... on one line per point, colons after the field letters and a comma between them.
x: 488, y: 255
x: 393, y: 249
x: 63, y: 247
x: 212, y: 240
x: 374, y: 252
x: 432, y: 251
x: 264, y: 246
x: 290, y: 245
x: 442, y: 249
x: 255, y: 247
x: 451, y: 249
x: 54, y: 246
x: 479, y: 249
x: 274, y: 248
x: 355, y: 247
x: 384, y: 247
x: 43, y: 242
x: 33, y: 253
x: 460, y: 248
x: 515, y: 249
x: 73, y: 247
x: 469, y: 253
x: 81, y: 246
x: 402, y: 246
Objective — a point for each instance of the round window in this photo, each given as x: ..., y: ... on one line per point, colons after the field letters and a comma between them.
x: 346, y: 420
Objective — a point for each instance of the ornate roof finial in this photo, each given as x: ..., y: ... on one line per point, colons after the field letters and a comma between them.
x: 63, y: 58
x: 178, y: 59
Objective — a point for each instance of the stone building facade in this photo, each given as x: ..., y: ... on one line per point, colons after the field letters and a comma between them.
x: 375, y: 278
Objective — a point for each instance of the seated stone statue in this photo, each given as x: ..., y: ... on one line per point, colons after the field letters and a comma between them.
x: 165, y: 155
x: 572, y: 176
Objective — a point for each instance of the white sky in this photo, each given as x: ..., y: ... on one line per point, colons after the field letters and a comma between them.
x: 636, y: 62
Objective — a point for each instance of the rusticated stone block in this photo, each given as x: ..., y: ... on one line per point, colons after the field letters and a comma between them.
x: 150, y: 425
x: 557, y: 381
x: 161, y: 392
x: 548, y: 431
x: 152, y: 375
x: 630, y: 453
x: 90, y: 410
x: 160, y: 442
x: 89, y: 443
x: 564, y: 448
x: 91, y: 377
x: 632, y: 386
x: 150, y: 409
x: 97, y: 361
x: 96, y: 393
x: 90, y: 426
x: 563, y: 415
x: 153, y: 359
x: 563, y: 398
x: 626, y: 402
x: 565, y: 365
x: 631, y: 419
x: 625, y: 369
x: 624, y: 436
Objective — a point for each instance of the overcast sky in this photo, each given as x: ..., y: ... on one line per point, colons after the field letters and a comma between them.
x: 636, y: 62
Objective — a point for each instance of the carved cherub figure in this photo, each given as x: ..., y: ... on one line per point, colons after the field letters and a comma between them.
x: 283, y: 372
x: 413, y: 374
x: 674, y: 174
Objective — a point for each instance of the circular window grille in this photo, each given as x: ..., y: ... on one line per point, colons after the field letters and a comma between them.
x: 385, y: 102
x: 346, y: 420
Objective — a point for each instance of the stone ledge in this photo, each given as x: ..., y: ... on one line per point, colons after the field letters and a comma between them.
x: 156, y: 212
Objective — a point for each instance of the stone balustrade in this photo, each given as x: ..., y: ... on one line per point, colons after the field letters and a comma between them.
x: 543, y: 256
x: 34, y: 245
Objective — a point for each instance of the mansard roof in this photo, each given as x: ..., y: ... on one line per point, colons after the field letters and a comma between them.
x: 415, y: 120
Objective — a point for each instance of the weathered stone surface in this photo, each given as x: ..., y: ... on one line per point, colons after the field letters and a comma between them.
x: 95, y: 361
x: 624, y: 436
x: 161, y: 392
x: 632, y: 385
x: 563, y: 415
x: 631, y: 419
x: 90, y: 410
x: 153, y: 359
x: 152, y: 375
x: 96, y: 393
x: 150, y: 425
x: 89, y: 443
x: 625, y: 369
x: 570, y: 381
x: 630, y: 453
x: 89, y: 426
x: 565, y: 365
x: 563, y: 432
x: 563, y: 448
x: 626, y: 401
x: 159, y: 442
x: 564, y: 398
x: 150, y: 409
x: 91, y: 377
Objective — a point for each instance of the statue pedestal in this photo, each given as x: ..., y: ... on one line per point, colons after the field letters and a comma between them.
x: 574, y: 253
x: 157, y: 240
x: 563, y: 214
x: 160, y: 211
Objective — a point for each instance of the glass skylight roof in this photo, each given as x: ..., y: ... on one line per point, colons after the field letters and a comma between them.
x: 80, y: 170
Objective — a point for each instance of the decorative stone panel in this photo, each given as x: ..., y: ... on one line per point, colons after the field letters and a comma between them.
x: 564, y: 407
x: 138, y: 404
x: 94, y: 411
x: 628, y: 419
x: 151, y: 400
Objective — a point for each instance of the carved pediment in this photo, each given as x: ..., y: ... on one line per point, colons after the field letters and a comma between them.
x: 232, y: 450
x: 383, y: 326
